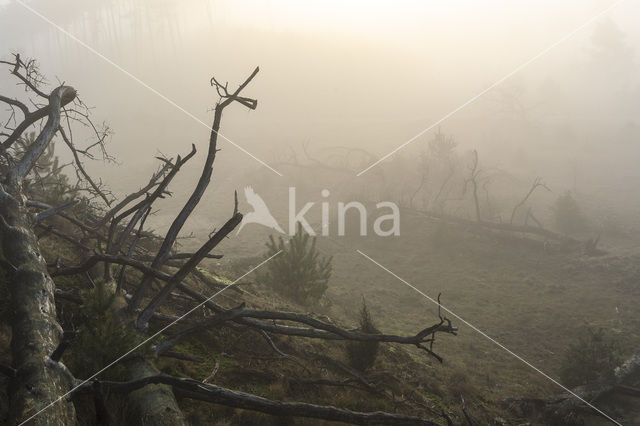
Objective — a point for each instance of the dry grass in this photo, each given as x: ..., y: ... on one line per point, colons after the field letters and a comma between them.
x: 531, y: 301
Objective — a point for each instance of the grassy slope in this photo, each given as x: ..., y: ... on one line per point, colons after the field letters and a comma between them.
x: 531, y: 301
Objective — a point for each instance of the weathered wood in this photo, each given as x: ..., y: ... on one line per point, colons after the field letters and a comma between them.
x: 266, y: 321
x: 525, y: 229
x: 36, y: 333
x: 194, y: 389
x: 35, y: 329
x: 198, y: 191
x: 153, y: 404
x: 59, y: 97
x: 186, y: 269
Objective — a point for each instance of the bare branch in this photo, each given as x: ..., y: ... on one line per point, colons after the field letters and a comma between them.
x: 67, y: 337
x: 81, y: 225
x: 142, y: 205
x: 31, y: 78
x: 473, y: 179
x: 16, y: 103
x: 190, y: 265
x: 208, y: 322
x: 211, y: 376
x: 28, y: 120
x: 58, y: 98
x: 122, y: 260
x: 54, y: 210
x: 265, y: 320
x: 121, y: 276
x: 536, y: 183
x: 80, y: 167
x: 135, y: 195
x: 196, y: 195
x: 193, y: 389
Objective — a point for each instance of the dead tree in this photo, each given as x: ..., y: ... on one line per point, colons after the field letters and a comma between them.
x: 194, y: 389
x: 524, y: 229
x: 167, y: 244
x: 111, y: 237
x: 474, y: 174
x: 477, y: 179
x: 566, y: 409
x: 424, y: 174
x: 537, y: 182
x: 331, y: 159
x: 35, y: 329
x: 437, y: 200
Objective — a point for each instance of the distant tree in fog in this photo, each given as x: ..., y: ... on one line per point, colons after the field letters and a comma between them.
x: 610, y: 50
x: 442, y: 146
x: 568, y: 216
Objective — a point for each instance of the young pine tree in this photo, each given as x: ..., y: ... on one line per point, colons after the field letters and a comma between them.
x: 299, y: 272
x: 362, y: 355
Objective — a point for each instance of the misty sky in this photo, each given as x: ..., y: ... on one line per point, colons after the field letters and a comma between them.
x: 368, y: 74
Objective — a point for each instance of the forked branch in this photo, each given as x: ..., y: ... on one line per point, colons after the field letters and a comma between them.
x: 176, y: 226
x: 59, y: 97
x: 537, y: 182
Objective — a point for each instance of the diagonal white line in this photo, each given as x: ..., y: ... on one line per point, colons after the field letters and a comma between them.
x: 156, y: 334
x: 496, y: 83
x: 139, y: 81
x: 500, y: 345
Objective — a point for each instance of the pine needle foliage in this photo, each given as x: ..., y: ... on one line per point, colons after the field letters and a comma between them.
x: 593, y: 356
x: 362, y: 355
x: 49, y: 181
x: 102, y: 337
x: 299, y: 272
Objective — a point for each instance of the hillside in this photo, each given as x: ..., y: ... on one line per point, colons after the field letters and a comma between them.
x: 532, y: 301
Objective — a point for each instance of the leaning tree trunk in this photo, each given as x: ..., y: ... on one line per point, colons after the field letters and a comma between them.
x: 39, y: 381
x: 154, y: 404
x: 35, y: 329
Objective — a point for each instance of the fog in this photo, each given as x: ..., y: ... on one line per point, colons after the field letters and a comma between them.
x: 366, y: 75
x: 480, y: 121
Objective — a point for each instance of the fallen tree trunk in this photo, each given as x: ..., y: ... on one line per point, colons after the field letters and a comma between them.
x: 35, y: 329
x: 569, y: 410
x: 150, y: 395
x: 153, y: 404
x: 194, y: 389
x: 36, y: 333
x: 525, y: 229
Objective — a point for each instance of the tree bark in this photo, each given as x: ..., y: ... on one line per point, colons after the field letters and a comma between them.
x: 39, y: 381
x: 211, y: 393
x: 35, y: 329
x: 203, y: 182
x: 154, y: 404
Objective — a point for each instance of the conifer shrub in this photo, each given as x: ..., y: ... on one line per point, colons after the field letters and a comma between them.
x: 50, y: 182
x: 361, y: 355
x: 567, y: 215
x: 299, y: 272
x: 102, y: 336
x: 593, y: 356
